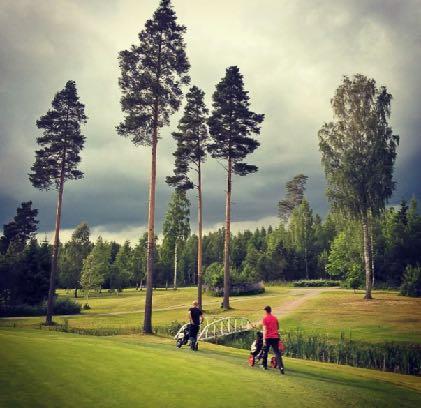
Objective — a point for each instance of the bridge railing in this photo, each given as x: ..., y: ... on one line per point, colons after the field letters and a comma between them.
x: 218, y: 327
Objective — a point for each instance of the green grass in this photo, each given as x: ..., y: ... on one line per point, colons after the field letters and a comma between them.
x: 51, y: 369
x: 388, y: 317
x: 126, y: 309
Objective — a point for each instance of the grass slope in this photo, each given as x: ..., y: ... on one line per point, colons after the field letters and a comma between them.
x: 50, y: 369
x: 126, y: 309
x: 388, y: 317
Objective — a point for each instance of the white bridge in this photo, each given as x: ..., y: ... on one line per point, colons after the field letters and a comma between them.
x: 215, y: 328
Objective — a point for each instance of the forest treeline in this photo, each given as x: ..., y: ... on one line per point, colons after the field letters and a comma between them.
x: 306, y: 247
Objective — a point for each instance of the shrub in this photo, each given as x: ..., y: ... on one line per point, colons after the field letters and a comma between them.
x: 86, y: 306
x: 214, y: 275
x: 66, y: 306
x: 21, y: 310
x: 239, y: 289
x: 353, y: 279
x: 316, y: 283
x: 345, y: 255
x: 243, y: 282
x: 411, y: 282
x: 170, y: 329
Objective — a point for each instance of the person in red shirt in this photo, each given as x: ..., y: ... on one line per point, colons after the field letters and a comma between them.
x: 271, y: 339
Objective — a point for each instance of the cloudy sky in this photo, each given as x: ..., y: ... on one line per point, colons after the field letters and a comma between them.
x: 292, y: 53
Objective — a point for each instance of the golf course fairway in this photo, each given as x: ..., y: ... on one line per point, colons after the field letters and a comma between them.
x: 42, y: 368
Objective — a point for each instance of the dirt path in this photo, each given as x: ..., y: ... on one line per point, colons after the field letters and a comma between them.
x: 292, y: 305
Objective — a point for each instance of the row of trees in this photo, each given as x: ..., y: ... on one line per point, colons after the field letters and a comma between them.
x: 358, y: 147
x: 305, y: 247
x: 152, y: 75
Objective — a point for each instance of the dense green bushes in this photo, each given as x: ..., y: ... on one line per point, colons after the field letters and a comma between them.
x: 243, y: 282
x: 240, y: 289
x: 214, y: 275
x: 61, y: 307
x: 21, y: 310
x: 66, y: 306
x: 316, y: 283
x: 411, y: 284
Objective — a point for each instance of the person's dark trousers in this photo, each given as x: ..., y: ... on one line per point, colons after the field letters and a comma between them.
x: 274, y: 343
x: 194, y: 330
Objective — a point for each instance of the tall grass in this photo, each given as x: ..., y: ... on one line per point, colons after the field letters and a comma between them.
x: 398, y: 358
x: 165, y: 330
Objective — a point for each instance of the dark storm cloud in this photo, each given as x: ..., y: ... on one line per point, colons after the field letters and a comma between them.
x: 292, y: 56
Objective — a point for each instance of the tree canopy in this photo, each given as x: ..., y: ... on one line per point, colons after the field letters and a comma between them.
x: 232, y: 123
x: 358, y: 153
x: 61, y: 142
x: 152, y: 74
x: 359, y: 147
x: 21, y: 229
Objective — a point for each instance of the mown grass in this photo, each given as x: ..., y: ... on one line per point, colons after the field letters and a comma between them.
x: 388, y: 317
x: 126, y: 309
x: 50, y: 369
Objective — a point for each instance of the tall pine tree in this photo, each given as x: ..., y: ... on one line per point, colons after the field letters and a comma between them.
x: 358, y: 153
x: 58, y: 159
x: 231, y: 125
x: 152, y: 74
x: 192, y: 138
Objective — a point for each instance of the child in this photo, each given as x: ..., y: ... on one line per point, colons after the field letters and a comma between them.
x: 256, y: 348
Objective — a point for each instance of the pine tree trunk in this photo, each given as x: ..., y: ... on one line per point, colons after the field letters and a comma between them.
x: 76, y: 293
x: 199, y: 239
x: 147, y: 324
x: 226, y: 301
x: 54, y: 260
x: 175, y: 264
x: 367, y: 257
